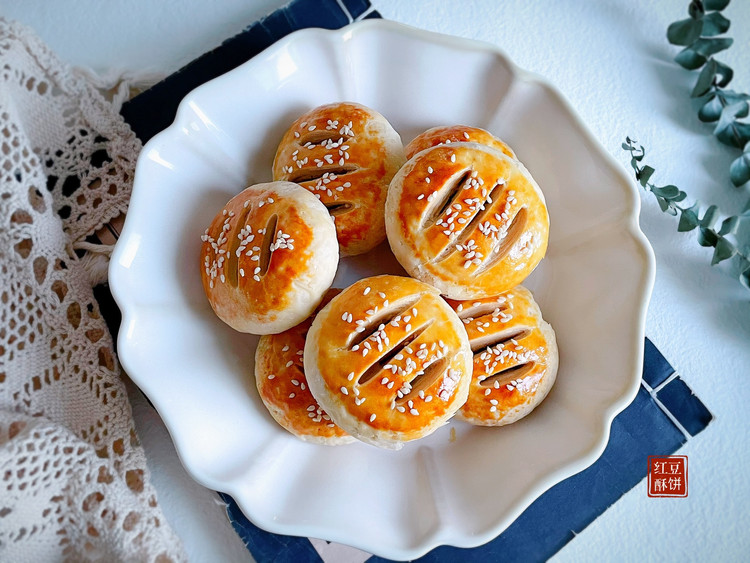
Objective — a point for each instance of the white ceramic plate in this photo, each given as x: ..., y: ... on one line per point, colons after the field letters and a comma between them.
x: 462, y: 485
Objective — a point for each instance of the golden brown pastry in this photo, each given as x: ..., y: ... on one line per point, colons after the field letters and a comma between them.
x: 467, y: 219
x: 388, y: 360
x: 455, y: 134
x: 268, y: 257
x: 345, y: 154
x: 515, y: 357
x: 282, y: 385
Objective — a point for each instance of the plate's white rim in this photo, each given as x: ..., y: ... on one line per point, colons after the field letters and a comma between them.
x: 443, y: 535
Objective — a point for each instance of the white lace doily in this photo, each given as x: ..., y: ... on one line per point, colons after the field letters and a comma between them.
x: 74, y: 480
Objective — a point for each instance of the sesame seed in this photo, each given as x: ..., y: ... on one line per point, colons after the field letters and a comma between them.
x: 291, y: 395
x: 350, y: 376
x: 289, y: 363
x: 344, y: 390
x: 415, y: 412
x: 271, y: 376
x: 372, y: 417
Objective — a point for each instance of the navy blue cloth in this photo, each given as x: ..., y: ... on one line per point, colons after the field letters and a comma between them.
x: 154, y: 110
x: 645, y: 428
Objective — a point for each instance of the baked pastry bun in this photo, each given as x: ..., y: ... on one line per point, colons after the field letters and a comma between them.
x: 455, y: 134
x: 467, y: 219
x: 388, y: 360
x: 346, y: 154
x: 268, y: 257
x: 515, y: 357
x: 282, y: 385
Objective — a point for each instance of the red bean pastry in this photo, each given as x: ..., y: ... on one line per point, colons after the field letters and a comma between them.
x: 388, y: 360
x: 268, y: 257
x: 515, y: 357
x: 467, y: 219
x: 345, y: 154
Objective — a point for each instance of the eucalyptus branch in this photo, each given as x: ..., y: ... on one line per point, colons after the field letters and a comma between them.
x: 669, y: 198
x: 699, y: 34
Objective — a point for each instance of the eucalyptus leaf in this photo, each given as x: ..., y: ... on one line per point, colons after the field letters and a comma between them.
x: 711, y: 46
x: 667, y: 192
x: 723, y: 250
x: 689, y: 59
x: 739, y: 170
x: 684, y: 32
x: 705, y: 79
x: 688, y: 219
x: 711, y: 110
x: 715, y: 4
x: 707, y: 237
x: 696, y: 9
x: 729, y: 225
x: 644, y: 175
x: 725, y: 72
x: 709, y: 217
x: 732, y: 132
x: 745, y: 277
x: 731, y: 97
x: 714, y: 24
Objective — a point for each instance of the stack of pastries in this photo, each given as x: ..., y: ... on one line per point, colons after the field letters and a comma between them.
x: 388, y: 359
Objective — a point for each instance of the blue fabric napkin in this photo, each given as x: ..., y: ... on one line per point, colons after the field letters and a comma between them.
x: 663, y: 416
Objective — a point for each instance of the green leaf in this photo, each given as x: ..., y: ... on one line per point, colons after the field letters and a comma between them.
x: 731, y: 97
x: 725, y: 72
x: 688, y: 219
x: 739, y: 170
x: 689, y: 59
x: 714, y: 24
x: 644, y: 174
x: 696, y: 10
x: 667, y: 192
x: 705, y: 79
x: 709, y: 217
x: 711, y: 46
x: 715, y: 4
x: 745, y: 277
x: 732, y: 132
x: 729, y: 225
x: 684, y: 32
x: 711, y: 110
x: 724, y: 249
x: 706, y: 237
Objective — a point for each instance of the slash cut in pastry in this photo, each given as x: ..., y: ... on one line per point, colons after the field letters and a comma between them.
x: 515, y: 357
x: 455, y: 134
x: 282, y: 385
x: 345, y: 154
x: 268, y: 257
x: 467, y: 219
x: 388, y: 360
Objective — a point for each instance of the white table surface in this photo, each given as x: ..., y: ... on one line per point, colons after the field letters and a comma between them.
x: 613, y: 63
